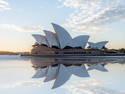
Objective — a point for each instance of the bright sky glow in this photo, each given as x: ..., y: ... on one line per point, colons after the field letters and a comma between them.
x: 102, y: 20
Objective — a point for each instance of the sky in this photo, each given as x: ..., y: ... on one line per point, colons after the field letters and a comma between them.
x: 101, y: 19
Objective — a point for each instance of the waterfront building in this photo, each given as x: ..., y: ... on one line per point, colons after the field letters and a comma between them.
x: 60, y: 42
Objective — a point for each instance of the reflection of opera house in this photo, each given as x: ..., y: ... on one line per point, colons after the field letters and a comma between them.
x: 61, y: 43
x: 60, y: 70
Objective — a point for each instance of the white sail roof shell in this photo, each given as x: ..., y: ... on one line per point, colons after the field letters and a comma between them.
x: 65, y: 39
x: 79, y: 41
x: 40, y: 39
x: 98, y: 45
x: 51, y: 38
x: 62, y: 35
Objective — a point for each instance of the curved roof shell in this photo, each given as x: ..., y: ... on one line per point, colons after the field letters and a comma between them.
x: 40, y: 39
x: 62, y: 35
x: 79, y: 41
x: 65, y: 39
x: 51, y: 38
x: 61, y: 38
x: 98, y: 45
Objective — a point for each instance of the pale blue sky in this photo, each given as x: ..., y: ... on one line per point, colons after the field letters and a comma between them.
x: 43, y: 13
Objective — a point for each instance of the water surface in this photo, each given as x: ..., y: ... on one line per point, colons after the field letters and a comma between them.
x: 16, y: 76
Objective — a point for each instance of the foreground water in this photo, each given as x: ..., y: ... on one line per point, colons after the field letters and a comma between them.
x: 16, y: 76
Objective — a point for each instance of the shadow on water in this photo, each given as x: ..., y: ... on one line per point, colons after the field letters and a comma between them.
x: 60, y: 69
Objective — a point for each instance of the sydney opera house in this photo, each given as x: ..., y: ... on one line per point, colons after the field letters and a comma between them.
x: 60, y: 42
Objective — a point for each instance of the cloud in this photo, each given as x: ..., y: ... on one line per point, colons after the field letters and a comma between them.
x: 23, y: 84
x: 91, y: 87
x: 21, y: 28
x: 4, y: 5
x: 91, y: 15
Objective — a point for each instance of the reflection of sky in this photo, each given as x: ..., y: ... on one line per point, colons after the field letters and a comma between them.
x: 16, y: 78
x: 115, y: 76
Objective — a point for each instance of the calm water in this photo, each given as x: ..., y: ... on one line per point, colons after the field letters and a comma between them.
x: 16, y: 76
